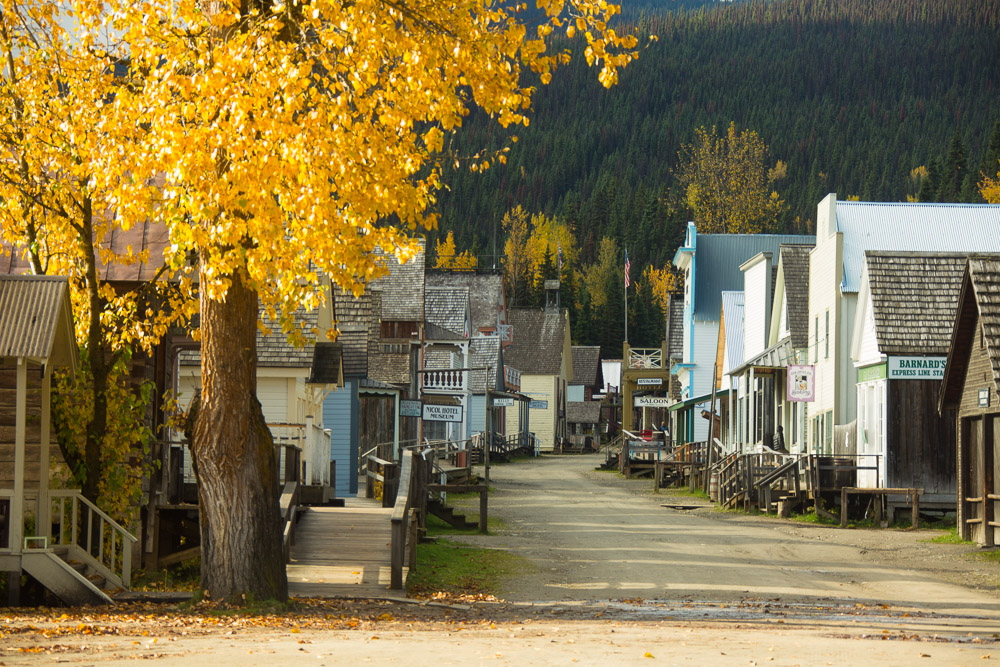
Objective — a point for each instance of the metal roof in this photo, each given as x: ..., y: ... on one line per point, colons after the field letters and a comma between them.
x: 36, y: 319
x: 732, y: 311
x: 717, y: 265
x: 912, y: 227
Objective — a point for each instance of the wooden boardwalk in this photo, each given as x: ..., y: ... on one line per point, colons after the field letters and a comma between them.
x: 342, y: 552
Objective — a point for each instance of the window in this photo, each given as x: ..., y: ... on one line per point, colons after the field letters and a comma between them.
x: 816, y: 340
x: 827, y: 337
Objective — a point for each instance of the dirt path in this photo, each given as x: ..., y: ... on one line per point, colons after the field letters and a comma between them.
x: 616, y: 578
x: 594, y: 536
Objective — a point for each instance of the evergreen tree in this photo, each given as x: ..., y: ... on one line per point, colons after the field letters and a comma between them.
x: 953, y: 174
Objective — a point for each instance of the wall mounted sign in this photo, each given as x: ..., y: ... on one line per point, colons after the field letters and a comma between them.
x: 916, y: 368
x: 871, y: 373
x: 503, y: 402
x: 653, y: 402
x: 442, y: 413
x: 410, y: 408
x: 649, y: 382
x: 539, y: 405
x: 801, y: 384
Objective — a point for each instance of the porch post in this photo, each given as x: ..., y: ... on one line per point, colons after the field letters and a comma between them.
x: 44, y: 527
x: 16, y: 531
x: 395, y: 428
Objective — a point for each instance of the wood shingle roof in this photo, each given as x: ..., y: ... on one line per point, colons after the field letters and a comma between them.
x: 402, y: 288
x: 794, y: 261
x: 587, y: 365
x: 914, y: 297
x: 539, y: 336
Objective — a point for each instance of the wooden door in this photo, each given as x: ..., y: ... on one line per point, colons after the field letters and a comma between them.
x: 973, y: 479
x: 991, y: 506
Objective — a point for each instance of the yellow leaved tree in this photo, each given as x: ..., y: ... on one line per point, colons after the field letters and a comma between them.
x: 662, y: 282
x: 55, y: 135
x: 727, y: 183
x: 446, y: 257
x: 990, y: 189
x: 284, y: 142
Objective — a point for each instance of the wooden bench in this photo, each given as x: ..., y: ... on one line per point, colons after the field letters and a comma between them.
x: 913, y: 493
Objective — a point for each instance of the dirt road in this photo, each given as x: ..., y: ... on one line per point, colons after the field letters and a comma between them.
x: 595, y: 536
x: 616, y: 578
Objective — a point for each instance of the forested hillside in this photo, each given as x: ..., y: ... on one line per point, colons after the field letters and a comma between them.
x: 852, y: 95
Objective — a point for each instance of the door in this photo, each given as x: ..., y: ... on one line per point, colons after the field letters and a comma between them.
x: 973, y: 480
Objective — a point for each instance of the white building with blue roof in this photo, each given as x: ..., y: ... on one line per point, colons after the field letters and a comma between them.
x: 711, y: 264
x: 844, y: 231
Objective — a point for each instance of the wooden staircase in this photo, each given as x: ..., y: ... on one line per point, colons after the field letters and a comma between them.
x: 448, y: 515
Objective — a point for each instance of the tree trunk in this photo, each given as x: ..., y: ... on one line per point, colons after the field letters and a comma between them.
x: 238, y: 493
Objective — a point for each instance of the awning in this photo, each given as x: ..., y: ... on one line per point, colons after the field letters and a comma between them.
x: 698, y: 399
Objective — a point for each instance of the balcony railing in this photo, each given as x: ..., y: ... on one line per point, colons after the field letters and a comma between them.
x: 443, y: 380
x: 511, y: 378
x: 645, y: 357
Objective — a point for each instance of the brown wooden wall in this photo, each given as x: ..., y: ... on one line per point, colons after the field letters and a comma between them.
x: 976, y: 446
x: 920, y: 444
x: 8, y: 394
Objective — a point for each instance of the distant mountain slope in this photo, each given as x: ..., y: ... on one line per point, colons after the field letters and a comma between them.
x: 851, y: 94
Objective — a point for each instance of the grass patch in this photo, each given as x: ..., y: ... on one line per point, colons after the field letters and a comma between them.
x: 685, y: 492
x: 950, y: 536
x: 436, y: 526
x: 812, y: 517
x: 992, y: 556
x: 451, y: 568
x: 185, y: 576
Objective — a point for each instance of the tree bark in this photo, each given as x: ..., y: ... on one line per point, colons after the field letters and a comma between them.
x: 238, y: 492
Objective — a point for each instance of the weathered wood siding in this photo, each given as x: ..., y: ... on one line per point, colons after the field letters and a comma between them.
x: 920, y: 443
x: 8, y: 422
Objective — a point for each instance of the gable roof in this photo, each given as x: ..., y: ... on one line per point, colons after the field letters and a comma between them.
x: 485, y: 289
x: 794, y: 263
x: 583, y: 412
x: 153, y: 237
x: 273, y: 348
x: 732, y: 312
x: 912, y: 227
x: 539, y: 336
x: 717, y: 265
x: 586, y: 365
x: 402, y: 288
x: 914, y: 297
x: 36, y: 319
x: 448, y: 308
x: 484, y: 351
x: 979, y: 299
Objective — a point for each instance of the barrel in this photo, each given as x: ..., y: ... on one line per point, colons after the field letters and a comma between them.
x: 713, y: 487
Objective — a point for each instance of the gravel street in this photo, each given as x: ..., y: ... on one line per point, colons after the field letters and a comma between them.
x: 616, y: 576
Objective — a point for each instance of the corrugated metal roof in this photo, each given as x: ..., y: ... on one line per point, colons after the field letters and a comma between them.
x: 912, y: 227
x: 717, y: 265
x: 732, y: 311
x: 36, y: 319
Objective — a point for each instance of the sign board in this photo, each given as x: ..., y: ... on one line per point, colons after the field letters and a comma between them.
x: 801, y: 384
x: 503, y: 402
x: 984, y: 397
x: 652, y: 401
x: 539, y: 405
x: 409, y: 408
x: 871, y: 373
x: 916, y: 368
x: 442, y: 413
x: 649, y: 382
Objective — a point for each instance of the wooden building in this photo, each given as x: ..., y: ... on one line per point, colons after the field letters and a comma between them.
x: 906, y: 308
x: 969, y: 388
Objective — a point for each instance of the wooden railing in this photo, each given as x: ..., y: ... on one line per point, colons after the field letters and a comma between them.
x: 92, y: 536
x: 304, y: 449
x: 443, y: 379
x: 409, y: 512
x: 289, y: 507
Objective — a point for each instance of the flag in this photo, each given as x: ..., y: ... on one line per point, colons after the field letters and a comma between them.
x: 628, y: 265
x: 560, y: 256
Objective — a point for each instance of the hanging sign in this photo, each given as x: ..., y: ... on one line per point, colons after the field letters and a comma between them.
x: 917, y: 368
x: 801, y: 383
x: 539, y: 405
x: 442, y: 413
x: 409, y: 408
x: 649, y: 382
x: 503, y: 402
x: 653, y: 402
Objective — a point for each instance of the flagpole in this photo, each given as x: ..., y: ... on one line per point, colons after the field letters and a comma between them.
x: 626, y: 295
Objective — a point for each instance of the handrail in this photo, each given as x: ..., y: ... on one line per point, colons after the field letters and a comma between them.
x: 69, y: 493
x: 399, y: 518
